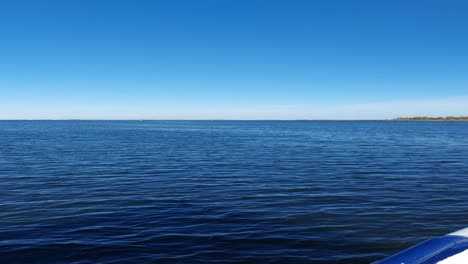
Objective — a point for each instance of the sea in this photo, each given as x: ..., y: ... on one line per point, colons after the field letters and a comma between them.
x: 227, y: 191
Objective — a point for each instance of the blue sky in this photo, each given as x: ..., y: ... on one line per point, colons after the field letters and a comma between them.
x: 232, y: 59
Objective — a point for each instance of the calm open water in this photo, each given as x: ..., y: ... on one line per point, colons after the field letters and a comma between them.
x: 227, y: 191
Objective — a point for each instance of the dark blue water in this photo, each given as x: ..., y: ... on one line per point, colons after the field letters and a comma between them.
x: 227, y: 191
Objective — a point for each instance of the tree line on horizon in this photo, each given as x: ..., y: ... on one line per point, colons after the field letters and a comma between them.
x: 440, y: 118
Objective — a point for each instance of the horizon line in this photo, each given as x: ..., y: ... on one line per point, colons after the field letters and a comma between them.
x: 183, y: 119
x: 86, y: 119
x: 227, y: 119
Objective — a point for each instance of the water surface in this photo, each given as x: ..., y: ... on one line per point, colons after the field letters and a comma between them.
x: 227, y: 191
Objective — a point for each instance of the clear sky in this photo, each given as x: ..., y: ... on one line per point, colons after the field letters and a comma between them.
x: 233, y: 59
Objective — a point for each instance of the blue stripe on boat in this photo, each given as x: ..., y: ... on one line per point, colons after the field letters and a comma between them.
x: 431, y: 251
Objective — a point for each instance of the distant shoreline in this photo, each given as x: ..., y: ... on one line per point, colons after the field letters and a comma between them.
x: 424, y: 118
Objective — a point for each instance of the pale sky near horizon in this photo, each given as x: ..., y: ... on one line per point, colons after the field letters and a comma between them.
x: 233, y: 59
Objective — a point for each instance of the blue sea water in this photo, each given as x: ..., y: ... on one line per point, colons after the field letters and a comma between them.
x: 227, y: 191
